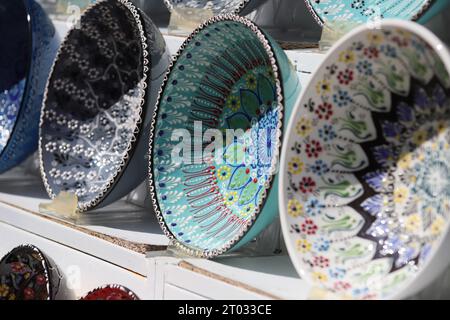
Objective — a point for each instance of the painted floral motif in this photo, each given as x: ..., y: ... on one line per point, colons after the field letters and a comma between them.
x: 218, y: 89
x: 93, y: 106
x: 362, y: 11
x: 110, y: 293
x: 375, y: 184
x: 26, y: 275
x: 10, y: 101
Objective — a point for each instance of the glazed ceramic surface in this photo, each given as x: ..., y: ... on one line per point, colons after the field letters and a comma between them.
x: 370, y: 10
x: 366, y: 166
x: 111, y: 293
x: 29, y: 44
x: 100, y: 99
x: 26, y: 274
x: 228, y: 75
x: 242, y: 7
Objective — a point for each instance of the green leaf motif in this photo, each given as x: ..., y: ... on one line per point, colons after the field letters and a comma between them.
x: 239, y: 178
x: 249, y: 193
x: 266, y: 90
x: 250, y: 102
x: 239, y: 121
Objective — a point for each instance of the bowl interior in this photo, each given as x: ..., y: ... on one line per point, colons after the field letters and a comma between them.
x: 15, y: 56
x: 367, y: 10
x: 216, y: 136
x: 217, y: 6
x: 93, y: 104
x: 14, y: 267
x: 367, y: 179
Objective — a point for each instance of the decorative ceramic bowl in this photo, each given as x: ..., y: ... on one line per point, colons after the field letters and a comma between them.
x: 111, y: 292
x: 29, y: 45
x: 241, y: 7
x: 99, y: 102
x: 228, y: 75
x: 26, y: 274
x: 362, y: 11
x: 365, y: 184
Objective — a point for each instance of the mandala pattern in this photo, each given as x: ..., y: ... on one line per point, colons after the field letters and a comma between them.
x: 94, y: 103
x: 361, y: 11
x: 217, y: 6
x: 368, y: 172
x: 223, y: 79
x: 25, y: 274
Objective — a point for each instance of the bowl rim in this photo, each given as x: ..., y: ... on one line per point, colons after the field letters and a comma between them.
x: 239, y: 9
x: 107, y: 187
x: 264, y: 40
x: 416, y: 17
x: 444, y: 54
x: 30, y: 74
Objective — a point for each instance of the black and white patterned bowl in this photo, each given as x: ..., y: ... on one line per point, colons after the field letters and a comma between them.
x: 99, y: 102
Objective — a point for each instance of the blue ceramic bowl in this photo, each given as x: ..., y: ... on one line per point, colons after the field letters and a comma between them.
x: 229, y: 75
x: 43, y: 278
x: 29, y: 45
x: 97, y: 111
x: 241, y: 7
x: 362, y: 11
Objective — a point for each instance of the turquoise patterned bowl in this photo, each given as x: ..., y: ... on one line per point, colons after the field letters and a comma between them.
x: 365, y: 183
x: 230, y: 82
x: 362, y: 11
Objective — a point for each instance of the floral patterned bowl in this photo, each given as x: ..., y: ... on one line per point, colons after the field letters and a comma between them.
x: 26, y: 274
x: 29, y: 45
x: 242, y: 7
x: 362, y: 11
x: 228, y: 75
x: 110, y: 293
x: 99, y: 102
x: 365, y: 183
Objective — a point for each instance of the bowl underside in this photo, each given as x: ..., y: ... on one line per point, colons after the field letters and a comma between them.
x: 368, y: 174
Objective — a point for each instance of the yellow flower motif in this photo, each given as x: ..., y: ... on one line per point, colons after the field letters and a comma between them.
x: 323, y: 87
x: 375, y: 37
x: 400, y: 195
x: 295, y: 208
x: 303, y: 245
x: 419, y: 137
x: 250, y: 80
x: 413, y: 223
x: 320, y: 277
x: 234, y: 103
x: 4, y: 290
x: 438, y: 226
x: 295, y: 166
x: 405, y: 160
x: 224, y: 173
x: 347, y: 56
x: 304, y: 127
x: 231, y: 198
